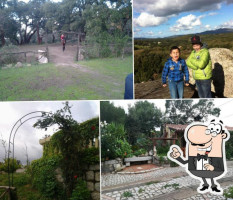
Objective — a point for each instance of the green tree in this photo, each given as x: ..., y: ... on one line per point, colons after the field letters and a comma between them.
x: 185, y: 111
x: 110, y: 113
x: 143, y: 117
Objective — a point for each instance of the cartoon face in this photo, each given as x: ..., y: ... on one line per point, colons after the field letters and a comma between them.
x: 175, y: 54
x: 206, y: 139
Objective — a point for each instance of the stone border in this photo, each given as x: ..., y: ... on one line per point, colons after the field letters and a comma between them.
x: 140, y: 172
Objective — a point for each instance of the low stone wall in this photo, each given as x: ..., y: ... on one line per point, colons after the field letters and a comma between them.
x: 112, y: 165
x: 92, y: 177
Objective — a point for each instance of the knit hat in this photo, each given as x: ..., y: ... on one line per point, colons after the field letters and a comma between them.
x: 196, y: 40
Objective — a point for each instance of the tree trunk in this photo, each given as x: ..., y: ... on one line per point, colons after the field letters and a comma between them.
x: 38, y: 34
x: 53, y: 38
x: 3, y: 41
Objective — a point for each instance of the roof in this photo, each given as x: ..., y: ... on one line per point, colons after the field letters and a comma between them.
x: 178, y: 127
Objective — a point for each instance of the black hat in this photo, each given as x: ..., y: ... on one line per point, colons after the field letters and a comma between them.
x: 196, y: 40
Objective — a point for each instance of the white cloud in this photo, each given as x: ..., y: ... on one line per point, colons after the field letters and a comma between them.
x: 212, y: 13
x: 160, y: 32
x: 186, y: 23
x: 207, y: 26
x: 168, y: 7
x: 228, y: 24
x: 146, y: 19
x: 136, y: 30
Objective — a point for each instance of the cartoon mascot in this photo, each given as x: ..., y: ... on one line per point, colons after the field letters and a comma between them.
x: 205, y: 154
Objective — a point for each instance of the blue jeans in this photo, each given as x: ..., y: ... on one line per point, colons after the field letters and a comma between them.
x: 204, y: 88
x: 176, y: 89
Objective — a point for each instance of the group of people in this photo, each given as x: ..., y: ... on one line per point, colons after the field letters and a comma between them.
x: 176, y: 69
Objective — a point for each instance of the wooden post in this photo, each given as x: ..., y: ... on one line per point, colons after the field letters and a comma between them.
x: 78, y: 49
x: 47, y: 52
x: 25, y: 57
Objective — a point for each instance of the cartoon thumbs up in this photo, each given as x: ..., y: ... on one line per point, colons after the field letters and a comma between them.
x: 175, y: 153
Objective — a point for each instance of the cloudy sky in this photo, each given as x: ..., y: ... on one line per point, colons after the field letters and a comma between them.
x: 163, y: 18
x: 226, y: 114
x: 29, y: 136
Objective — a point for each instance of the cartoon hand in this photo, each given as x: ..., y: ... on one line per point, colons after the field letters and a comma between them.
x: 164, y: 85
x: 175, y: 153
x: 209, y: 167
x: 186, y: 84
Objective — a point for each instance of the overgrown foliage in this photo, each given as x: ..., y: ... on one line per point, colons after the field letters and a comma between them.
x: 70, y: 143
x: 43, y: 172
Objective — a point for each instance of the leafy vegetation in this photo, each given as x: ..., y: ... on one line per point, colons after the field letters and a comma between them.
x: 228, y: 193
x: 127, y: 194
x: 99, y: 21
x: 150, y: 55
x: 81, y: 192
x: 13, y: 165
x: 70, y: 143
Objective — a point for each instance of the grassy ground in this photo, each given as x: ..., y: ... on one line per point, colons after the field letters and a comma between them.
x: 101, y: 79
x: 24, y: 189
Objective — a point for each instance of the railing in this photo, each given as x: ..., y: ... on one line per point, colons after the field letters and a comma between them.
x: 7, y: 192
x: 13, y: 55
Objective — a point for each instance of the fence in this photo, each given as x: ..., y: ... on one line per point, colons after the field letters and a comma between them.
x: 97, y: 50
x: 23, y: 56
x: 7, y: 194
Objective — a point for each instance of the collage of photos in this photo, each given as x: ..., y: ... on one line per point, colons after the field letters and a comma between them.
x: 116, y: 100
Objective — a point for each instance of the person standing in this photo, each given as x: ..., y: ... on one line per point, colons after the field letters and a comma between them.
x: 200, y: 63
x: 175, y: 69
x: 63, y: 41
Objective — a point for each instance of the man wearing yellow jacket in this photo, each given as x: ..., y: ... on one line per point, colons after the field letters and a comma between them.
x: 200, y: 63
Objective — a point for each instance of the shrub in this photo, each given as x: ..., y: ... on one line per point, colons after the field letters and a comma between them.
x: 139, y: 152
x: 123, y: 149
x: 81, y: 191
x: 13, y: 165
x: 162, y: 150
x: 7, y: 59
x: 89, y: 156
x: 44, y: 177
x: 113, y: 142
x: 228, y: 193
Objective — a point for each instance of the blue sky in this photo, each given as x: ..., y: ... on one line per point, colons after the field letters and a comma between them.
x: 162, y: 18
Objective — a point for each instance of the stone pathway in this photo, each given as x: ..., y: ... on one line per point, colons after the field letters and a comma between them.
x: 167, y: 183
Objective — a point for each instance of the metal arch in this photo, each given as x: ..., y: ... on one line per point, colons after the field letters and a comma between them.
x: 10, y: 179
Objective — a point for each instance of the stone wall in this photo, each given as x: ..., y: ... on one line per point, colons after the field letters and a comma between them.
x: 112, y: 165
x: 92, y: 177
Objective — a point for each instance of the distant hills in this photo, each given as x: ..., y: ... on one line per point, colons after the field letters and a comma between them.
x: 216, y: 31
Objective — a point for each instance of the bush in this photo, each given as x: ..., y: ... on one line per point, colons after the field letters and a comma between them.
x: 81, y: 191
x: 162, y: 150
x: 113, y: 142
x: 13, y: 165
x: 139, y: 152
x: 7, y: 59
x: 228, y: 193
x: 123, y: 149
x: 44, y: 177
x: 89, y: 156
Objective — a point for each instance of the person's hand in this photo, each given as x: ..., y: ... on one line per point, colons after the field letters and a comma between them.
x: 164, y: 85
x: 175, y: 153
x: 209, y: 167
x: 186, y: 84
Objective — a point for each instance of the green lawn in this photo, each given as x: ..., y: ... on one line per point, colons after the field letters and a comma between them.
x: 23, y: 186
x: 98, y: 79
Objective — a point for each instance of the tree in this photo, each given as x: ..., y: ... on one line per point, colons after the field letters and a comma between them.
x: 110, y: 113
x: 142, y: 118
x: 67, y: 147
x: 186, y: 111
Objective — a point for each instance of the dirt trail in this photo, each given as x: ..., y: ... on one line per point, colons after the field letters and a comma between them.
x: 66, y: 58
